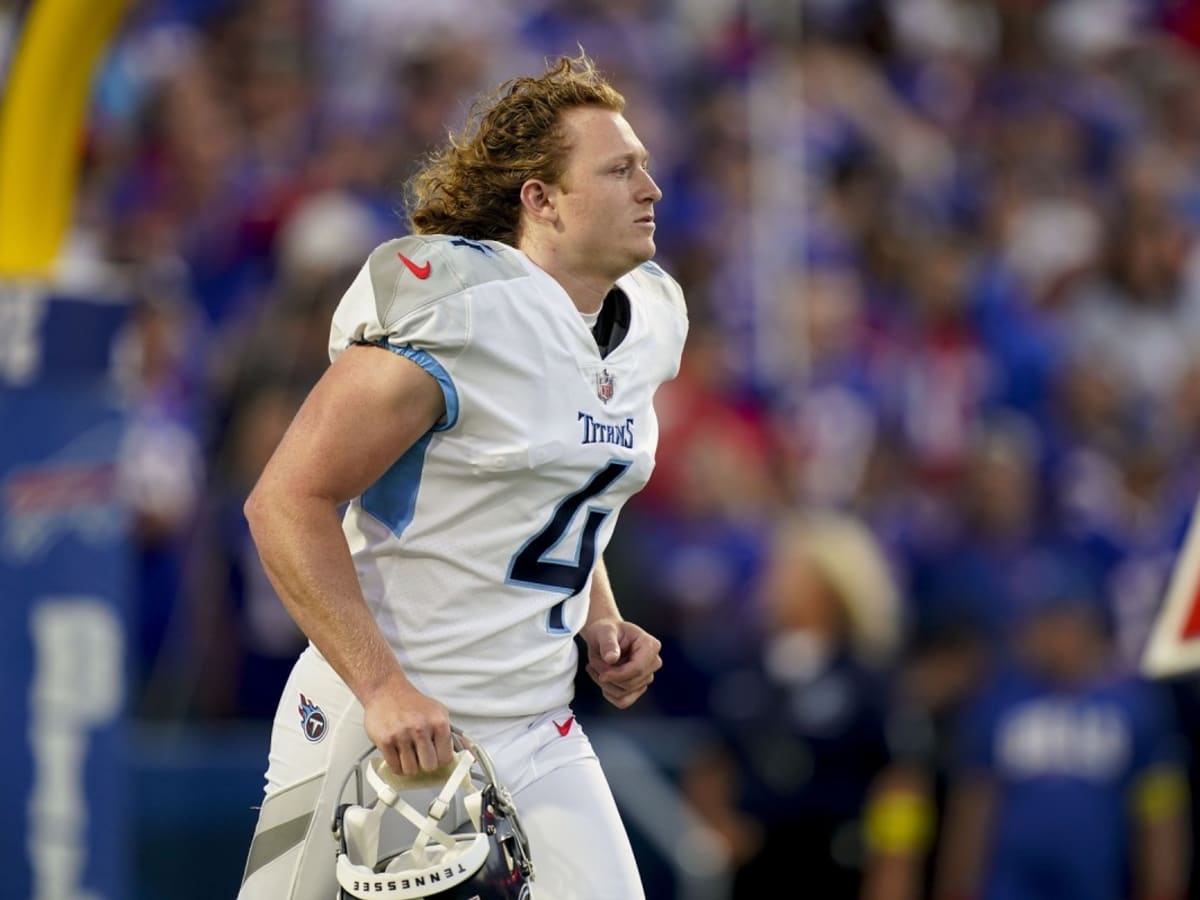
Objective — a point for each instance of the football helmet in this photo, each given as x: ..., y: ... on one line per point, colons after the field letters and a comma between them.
x: 452, y: 834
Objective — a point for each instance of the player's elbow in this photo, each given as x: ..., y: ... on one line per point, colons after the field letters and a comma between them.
x: 258, y: 507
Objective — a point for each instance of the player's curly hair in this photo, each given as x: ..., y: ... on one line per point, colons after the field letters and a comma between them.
x: 472, y: 186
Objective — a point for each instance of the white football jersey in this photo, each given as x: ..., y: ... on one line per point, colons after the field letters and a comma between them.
x: 476, y: 549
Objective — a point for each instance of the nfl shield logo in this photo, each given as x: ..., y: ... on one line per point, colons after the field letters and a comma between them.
x: 604, y: 386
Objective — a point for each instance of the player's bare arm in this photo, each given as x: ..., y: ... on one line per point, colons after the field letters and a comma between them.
x: 365, y: 412
x: 622, y: 656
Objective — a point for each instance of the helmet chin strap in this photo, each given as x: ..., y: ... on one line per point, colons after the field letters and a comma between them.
x: 387, y: 786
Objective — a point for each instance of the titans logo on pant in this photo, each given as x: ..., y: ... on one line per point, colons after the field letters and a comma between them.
x: 312, y: 719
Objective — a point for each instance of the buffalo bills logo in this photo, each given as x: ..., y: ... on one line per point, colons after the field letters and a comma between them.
x: 604, y: 385
x: 312, y: 719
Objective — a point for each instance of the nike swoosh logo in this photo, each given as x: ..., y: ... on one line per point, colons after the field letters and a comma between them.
x: 565, y: 726
x: 421, y: 272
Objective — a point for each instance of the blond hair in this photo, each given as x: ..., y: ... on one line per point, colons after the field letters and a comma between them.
x: 472, y: 187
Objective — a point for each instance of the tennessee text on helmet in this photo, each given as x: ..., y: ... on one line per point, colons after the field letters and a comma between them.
x: 448, y: 834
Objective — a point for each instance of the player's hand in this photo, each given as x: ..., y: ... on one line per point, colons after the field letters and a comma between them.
x: 411, y: 730
x: 622, y: 659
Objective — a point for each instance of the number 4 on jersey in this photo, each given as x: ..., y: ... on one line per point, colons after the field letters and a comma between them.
x: 532, y: 565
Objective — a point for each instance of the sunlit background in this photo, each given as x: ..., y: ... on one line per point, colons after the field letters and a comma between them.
x: 922, y: 478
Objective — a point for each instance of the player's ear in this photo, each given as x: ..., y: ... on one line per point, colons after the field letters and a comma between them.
x: 538, y: 200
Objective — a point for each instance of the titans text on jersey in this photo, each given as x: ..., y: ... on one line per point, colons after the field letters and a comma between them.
x: 596, y: 432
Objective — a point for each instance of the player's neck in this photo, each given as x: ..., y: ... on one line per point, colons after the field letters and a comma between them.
x: 587, y: 290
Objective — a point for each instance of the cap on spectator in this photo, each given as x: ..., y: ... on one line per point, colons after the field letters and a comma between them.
x: 327, y: 231
x: 853, y: 563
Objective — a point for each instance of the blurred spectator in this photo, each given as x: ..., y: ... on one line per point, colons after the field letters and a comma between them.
x: 826, y: 425
x: 315, y: 254
x: 243, y: 641
x: 1141, y: 313
x: 158, y: 369
x: 905, y: 817
x: 942, y: 379
x: 1070, y: 780
x: 803, y: 710
x: 960, y: 571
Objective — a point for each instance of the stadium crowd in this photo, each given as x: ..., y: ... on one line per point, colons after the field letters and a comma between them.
x: 932, y: 450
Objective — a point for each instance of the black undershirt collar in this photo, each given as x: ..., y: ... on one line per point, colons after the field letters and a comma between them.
x: 612, y: 326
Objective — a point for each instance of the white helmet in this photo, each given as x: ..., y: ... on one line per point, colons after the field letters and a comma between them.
x: 452, y: 834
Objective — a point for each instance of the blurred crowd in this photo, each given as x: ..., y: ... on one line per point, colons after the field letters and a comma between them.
x: 928, y: 461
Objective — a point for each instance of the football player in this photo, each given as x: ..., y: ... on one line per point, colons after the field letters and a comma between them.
x: 436, y: 515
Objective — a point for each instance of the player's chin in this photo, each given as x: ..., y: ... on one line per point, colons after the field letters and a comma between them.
x: 634, y: 255
x: 644, y: 251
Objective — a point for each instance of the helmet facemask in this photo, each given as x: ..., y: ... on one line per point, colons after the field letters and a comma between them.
x: 439, y: 834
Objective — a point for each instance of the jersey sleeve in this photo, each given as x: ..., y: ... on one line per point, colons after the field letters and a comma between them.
x: 409, y: 298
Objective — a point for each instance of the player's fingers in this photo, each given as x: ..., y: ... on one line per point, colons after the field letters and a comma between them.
x: 634, y: 667
x: 635, y: 684
x: 646, y: 672
x: 640, y: 684
x: 427, y: 755
x: 443, y: 747
x: 622, y: 700
x: 630, y: 685
x: 392, y: 757
x: 409, y: 764
x: 650, y: 662
x: 600, y: 674
x: 645, y: 647
x: 630, y: 682
x: 624, y: 687
x: 610, y: 674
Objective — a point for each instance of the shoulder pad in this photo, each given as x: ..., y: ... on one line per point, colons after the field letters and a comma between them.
x: 408, y: 272
x: 652, y: 281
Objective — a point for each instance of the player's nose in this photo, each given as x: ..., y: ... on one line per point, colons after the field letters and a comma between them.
x: 649, y: 189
